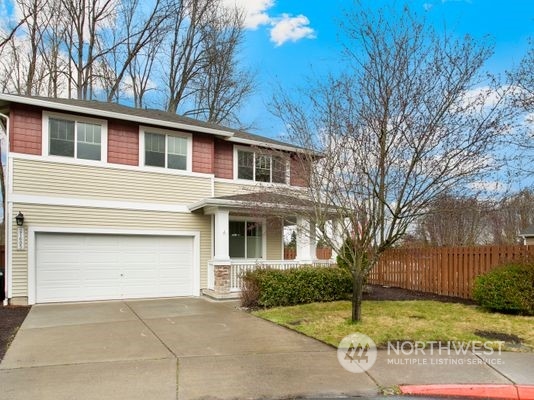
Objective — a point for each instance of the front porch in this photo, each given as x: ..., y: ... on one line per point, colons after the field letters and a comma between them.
x: 248, y: 234
x: 225, y: 281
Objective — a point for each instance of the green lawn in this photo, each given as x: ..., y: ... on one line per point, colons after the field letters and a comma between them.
x: 385, y: 321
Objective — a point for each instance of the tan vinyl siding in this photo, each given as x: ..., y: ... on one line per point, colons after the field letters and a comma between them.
x: 274, y: 239
x: 86, y: 217
x: 93, y: 182
x: 229, y: 188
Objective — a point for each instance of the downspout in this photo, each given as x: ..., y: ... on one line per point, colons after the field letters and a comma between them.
x: 7, y: 218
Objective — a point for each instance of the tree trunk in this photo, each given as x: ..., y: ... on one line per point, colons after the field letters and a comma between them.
x: 357, y: 290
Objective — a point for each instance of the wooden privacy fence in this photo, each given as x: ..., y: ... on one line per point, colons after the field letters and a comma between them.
x: 448, y: 271
x: 322, y: 253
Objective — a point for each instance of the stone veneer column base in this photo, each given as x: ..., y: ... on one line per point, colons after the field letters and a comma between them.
x: 221, y: 282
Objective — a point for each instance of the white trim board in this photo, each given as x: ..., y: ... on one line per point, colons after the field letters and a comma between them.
x: 34, y: 230
x: 92, y: 203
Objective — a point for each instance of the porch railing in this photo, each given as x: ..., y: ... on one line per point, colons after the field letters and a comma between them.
x: 239, y: 268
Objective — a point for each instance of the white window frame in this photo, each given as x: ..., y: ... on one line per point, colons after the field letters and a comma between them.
x: 167, y: 133
x: 263, y: 222
x: 75, y: 118
x: 253, y: 180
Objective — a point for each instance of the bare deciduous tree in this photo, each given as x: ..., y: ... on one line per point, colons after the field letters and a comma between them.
x: 85, y: 20
x: 513, y: 215
x: 455, y: 221
x: 203, y: 76
x: 187, y: 55
x: 522, y: 138
x: 523, y: 77
x: 140, y: 30
x: 222, y: 84
x: 119, y: 50
x: 408, y: 121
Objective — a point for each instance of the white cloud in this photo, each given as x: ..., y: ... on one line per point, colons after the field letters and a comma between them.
x: 255, y: 11
x: 287, y: 28
x: 428, y: 6
x: 283, y: 28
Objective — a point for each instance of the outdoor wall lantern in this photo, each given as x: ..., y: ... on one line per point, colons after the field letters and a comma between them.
x: 20, y: 219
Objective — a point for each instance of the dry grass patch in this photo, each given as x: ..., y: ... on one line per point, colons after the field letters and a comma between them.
x: 387, y: 321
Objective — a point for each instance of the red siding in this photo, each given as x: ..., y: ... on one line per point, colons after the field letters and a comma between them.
x: 25, y: 129
x: 299, y: 173
x: 224, y: 159
x: 203, y: 153
x: 123, y: 143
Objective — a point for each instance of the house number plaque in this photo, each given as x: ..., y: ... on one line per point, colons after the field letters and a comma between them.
x: 20, y: 238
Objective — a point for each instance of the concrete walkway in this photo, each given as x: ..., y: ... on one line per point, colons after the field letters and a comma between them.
x: 195, y: 348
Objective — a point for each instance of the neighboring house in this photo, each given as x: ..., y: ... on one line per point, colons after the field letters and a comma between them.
x: 528, y: 235
x: 129, y: 203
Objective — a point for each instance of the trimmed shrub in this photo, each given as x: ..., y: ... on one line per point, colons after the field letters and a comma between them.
x: 270, y: 288
x: 507, y: 289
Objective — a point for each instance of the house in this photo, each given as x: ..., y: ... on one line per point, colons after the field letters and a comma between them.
x: 108, y: 202
x: 528, y: 235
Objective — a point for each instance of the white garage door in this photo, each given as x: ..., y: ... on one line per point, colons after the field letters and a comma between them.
x: 77, y: 267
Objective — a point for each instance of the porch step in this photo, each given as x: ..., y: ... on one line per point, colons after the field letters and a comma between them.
x: 220, y: 296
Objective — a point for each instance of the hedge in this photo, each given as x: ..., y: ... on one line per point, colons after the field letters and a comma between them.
x: 507, y: 289
x: 270, y: 288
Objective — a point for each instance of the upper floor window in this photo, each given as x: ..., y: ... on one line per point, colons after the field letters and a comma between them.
x: 75, y: 138
x: 260, y: 167
x: 166, y: 150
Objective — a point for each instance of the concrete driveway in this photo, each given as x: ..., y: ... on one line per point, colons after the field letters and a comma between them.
x: 167, y: 349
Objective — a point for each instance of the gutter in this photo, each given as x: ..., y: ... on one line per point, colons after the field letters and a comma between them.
x: 281, y: 147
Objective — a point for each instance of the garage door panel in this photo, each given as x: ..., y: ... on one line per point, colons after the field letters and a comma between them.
x: 77, y: 267
x: 64, y: 256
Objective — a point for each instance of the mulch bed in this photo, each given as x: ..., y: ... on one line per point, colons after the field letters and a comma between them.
x: 376, y: 292
x: 11, y: 319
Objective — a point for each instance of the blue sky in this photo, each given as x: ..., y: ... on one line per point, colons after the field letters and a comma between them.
x: 288, y: 41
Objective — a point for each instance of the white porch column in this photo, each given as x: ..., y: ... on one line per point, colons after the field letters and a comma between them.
x: 306, y: 241
x: 221, y: 236
x: 337, y: 237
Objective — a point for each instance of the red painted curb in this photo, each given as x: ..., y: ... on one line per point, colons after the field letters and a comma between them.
x: 525, y: 392
x: 476, y: 391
